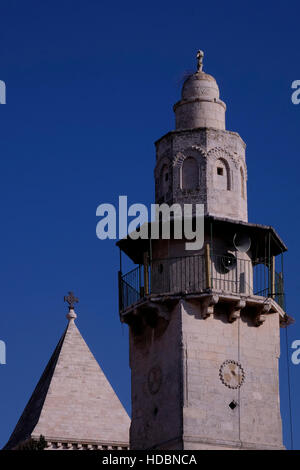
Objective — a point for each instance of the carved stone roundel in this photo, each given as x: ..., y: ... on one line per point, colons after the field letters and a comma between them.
x: 154, y: 379
x: 232, y: 374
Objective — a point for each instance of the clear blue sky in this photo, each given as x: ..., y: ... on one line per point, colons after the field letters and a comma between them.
x: 90, y: 87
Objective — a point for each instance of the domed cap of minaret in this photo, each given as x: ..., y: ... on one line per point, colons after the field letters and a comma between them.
x: 200, y: 104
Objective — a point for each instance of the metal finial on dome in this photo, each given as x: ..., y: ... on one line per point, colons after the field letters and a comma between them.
x: 200, y: 55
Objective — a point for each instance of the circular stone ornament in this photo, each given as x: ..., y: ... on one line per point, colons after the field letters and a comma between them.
x: 154, y: 379
x: 232, y: 374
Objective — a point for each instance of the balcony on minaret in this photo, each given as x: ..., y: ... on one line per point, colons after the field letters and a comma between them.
x: 240, y: 265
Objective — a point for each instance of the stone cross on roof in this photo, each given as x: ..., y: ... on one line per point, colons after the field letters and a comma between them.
x: 71, y: 300
x: 200, y: 55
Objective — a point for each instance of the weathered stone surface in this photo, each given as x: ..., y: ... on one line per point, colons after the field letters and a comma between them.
x: 255, y: 422
x: 200, y: 104
x: 73, y: 401
x: 189, y: 407
x: 156, y: 410
x: 187, y: 171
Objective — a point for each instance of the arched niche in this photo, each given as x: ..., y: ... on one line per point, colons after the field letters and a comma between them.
x: 189, y: 174
x: 164, y: 179
x: 222, y: 175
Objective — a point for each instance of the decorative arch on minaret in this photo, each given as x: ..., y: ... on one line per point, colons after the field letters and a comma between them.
x: 190, y: 174
x: 163, y: 178
x: 233, y: 165
x: 222, y: 174
x: 188, y: 169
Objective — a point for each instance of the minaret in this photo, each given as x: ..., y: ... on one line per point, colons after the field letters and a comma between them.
x: 73, y: 405
x: 201, y: 162
x: 204, y: 325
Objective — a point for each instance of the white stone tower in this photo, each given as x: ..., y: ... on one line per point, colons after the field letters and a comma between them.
x: 204, y: 325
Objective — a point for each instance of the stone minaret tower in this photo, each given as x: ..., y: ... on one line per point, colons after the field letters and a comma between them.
x: 204, y: 325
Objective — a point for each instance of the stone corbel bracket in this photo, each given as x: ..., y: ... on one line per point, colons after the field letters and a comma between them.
x: 162, y: 310
x: 235, y: 310
x: 153, y: 310
x: 260, y: 317
x: 208, y: 304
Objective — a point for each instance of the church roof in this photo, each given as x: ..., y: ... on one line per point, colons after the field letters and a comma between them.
x: 73, y: 400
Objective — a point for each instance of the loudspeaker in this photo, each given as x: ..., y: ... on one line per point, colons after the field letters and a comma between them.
x: 242, y: 242
x: 228, y: 262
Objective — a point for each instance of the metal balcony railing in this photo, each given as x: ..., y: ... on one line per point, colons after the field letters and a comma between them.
x: 194, y: 274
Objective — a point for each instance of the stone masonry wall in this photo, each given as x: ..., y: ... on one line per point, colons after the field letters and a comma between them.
x: 208, y: 420
x: 220, y: 168
x: 155, y: 361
